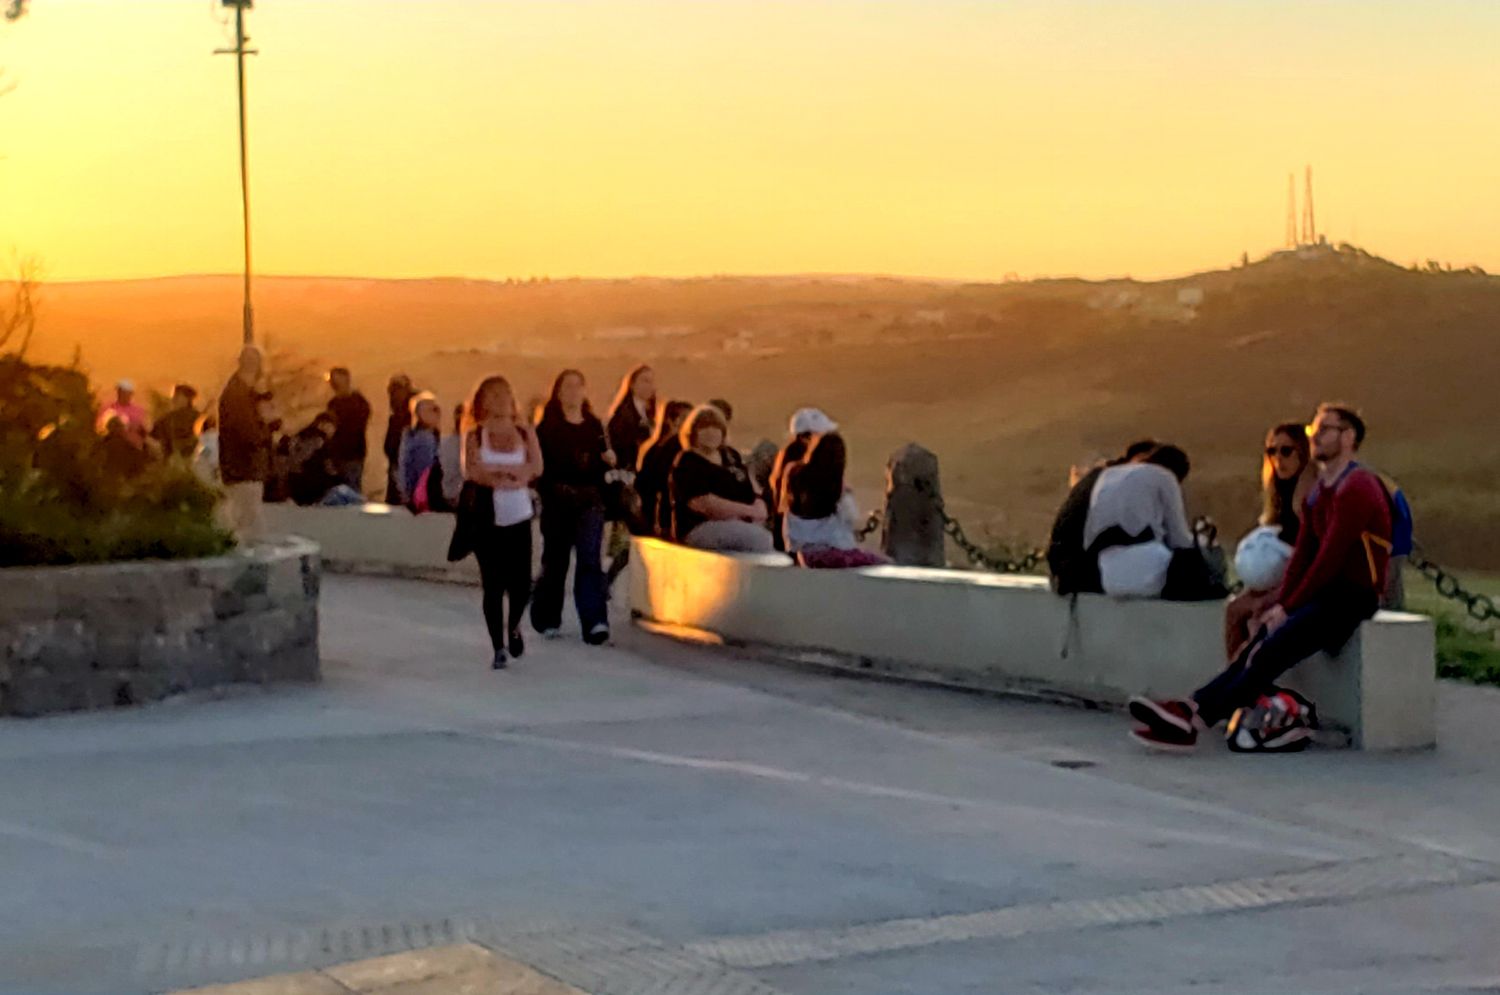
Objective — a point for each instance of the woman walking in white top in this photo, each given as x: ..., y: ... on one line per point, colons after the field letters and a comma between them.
x: 501, y: 456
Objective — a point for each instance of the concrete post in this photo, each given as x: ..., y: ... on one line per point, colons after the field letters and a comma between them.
x: 762, y: 457
x: 912, y: 533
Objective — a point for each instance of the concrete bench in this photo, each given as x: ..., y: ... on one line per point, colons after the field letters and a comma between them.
x: 1012, y: 633
x: 375, y: 539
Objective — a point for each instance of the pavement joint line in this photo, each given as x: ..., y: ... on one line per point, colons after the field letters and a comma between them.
x: 622, y: 960
x: 1352, y: 880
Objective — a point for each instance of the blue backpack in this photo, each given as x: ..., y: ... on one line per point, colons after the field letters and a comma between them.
x: 1401, y: 543
x: 1401, y: 520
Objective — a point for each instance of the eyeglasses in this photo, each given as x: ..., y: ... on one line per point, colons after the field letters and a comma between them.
x: 1282, y: 451
x: 1328, y: 426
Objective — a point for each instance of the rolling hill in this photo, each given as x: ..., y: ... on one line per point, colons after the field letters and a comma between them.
x: 1009, y: 383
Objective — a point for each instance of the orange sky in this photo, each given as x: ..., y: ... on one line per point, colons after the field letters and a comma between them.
x: 561, y: 137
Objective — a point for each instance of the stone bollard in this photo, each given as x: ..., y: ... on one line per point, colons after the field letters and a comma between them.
x: 912, y: 533
x: 762, y: 458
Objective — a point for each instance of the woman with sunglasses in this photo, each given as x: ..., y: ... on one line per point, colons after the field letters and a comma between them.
x: 1286, y: 476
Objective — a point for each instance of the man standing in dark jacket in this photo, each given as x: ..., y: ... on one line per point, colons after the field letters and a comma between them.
x: 244, y: 447
x: 400, y: 393
x: 176, y: 431
x: 351, y: 418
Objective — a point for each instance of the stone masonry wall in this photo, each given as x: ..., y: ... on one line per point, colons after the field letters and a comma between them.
x: 100, y: 636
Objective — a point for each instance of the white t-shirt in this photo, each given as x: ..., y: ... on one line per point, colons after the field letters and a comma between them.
x: 512, y: 505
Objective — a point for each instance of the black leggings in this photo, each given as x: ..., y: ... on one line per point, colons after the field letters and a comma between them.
x: 504, y: 554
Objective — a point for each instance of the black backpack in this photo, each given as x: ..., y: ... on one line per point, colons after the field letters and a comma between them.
x: 1074, y: 569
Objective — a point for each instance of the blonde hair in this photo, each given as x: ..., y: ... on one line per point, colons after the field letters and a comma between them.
x: 703, y: 416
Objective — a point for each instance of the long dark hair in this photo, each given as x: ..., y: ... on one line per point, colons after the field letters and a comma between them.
x: 627, y: 388
x: 553, y: 409
x: 669, y: 418
x: 815, y: 485
x: 1272, y: 508
x: 475, y: 414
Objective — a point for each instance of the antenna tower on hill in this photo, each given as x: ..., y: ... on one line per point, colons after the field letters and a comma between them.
x: 1309, y: 226
x: 1291, y: 210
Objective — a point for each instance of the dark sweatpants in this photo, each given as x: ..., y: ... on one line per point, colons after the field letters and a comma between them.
x: 1325, y: 624
x: 504, y: 554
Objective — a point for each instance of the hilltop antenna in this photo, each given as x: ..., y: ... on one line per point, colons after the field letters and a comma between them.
x: 1309, y: 226
x: 1291, y: 210
x: 239, y: 52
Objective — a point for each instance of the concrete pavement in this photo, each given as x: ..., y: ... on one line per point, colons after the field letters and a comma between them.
x: 657, y: 817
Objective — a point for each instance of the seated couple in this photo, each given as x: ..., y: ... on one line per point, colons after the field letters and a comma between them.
x: 1334, y: 581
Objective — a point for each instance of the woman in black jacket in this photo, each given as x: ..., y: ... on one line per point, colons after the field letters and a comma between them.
x: 657, y: 457
x: 630, y: 419
x: 575, y: 457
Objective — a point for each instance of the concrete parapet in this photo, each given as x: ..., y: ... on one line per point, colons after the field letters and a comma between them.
x: 1011, y: 633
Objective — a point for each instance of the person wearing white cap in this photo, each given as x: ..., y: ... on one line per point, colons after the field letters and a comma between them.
x: 132, y: 416
x: 806, y: 424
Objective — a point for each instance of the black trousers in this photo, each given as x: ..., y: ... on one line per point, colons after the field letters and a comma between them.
x: 1324, y: 623
x: 504, y: 554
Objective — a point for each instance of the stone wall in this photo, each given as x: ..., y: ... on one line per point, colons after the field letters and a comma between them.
x: 103, y: 635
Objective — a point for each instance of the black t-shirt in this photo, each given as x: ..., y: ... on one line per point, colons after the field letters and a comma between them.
x: 351, y: 414
x: 694, y: 476
x: 572, y: 461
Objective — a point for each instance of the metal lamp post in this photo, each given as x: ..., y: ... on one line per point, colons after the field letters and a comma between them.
x: 239, y: 52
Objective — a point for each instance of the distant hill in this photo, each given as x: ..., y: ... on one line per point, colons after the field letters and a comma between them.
x: 1009, y: 383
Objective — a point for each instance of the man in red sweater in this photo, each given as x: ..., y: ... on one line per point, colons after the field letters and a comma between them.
x: 1332, y: 584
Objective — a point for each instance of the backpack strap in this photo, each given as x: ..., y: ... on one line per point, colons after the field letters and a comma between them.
x: 1368, y: 538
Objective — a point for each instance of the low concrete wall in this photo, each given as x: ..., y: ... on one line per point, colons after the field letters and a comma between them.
x: 110, y: 634
x: 376, y: 539
x: 1012, y: 633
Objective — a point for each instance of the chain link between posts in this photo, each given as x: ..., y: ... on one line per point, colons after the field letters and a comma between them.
x: 1479, y: 607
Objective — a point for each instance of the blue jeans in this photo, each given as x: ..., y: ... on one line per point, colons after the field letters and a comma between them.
x: 1325, y: 623
x: 566, y: 531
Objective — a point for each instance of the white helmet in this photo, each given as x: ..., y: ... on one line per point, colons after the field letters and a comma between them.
x: 1261, y: 558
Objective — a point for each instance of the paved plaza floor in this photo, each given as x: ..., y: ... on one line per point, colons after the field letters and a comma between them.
x: 662, y: 817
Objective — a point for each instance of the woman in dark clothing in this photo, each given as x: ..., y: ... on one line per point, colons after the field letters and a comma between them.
x: 1286, y: 475
x: 714, y: 505
x: 576, y: 455
x: 818, y: 510
x: 630, y: 419
x: 632, y: 415
x: 657, y: 457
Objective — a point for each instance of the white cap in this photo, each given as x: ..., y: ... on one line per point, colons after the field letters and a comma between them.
x: 125, y: 384
x: 812, y: 420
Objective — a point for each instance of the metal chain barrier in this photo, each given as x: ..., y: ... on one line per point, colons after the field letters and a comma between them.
x: 1025, y: 563
x: 1479, y: 607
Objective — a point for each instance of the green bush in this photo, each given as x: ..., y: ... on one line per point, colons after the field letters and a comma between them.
x: 58, y: 505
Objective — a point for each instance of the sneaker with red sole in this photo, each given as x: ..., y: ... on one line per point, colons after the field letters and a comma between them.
x: 1169, y: 715
x: 1166, y: 740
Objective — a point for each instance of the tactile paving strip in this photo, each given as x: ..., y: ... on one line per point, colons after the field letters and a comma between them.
x: 610, y: 960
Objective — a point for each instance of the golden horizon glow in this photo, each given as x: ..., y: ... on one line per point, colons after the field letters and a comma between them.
x: 929, y: 139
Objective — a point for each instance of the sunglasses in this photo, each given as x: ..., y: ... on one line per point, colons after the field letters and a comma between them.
x: 1282, y: 451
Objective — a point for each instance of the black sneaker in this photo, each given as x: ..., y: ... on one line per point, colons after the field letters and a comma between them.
x: 517, y: 643
x: 598, y: 635
x: 499, y: 662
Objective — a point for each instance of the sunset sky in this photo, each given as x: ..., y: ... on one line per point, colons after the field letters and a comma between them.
x: 932, y: 137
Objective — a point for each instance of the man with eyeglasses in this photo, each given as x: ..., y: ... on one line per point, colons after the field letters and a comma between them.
x: 1333, y: 583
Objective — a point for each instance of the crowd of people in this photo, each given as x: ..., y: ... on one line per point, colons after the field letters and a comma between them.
x: 1326, y: 553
